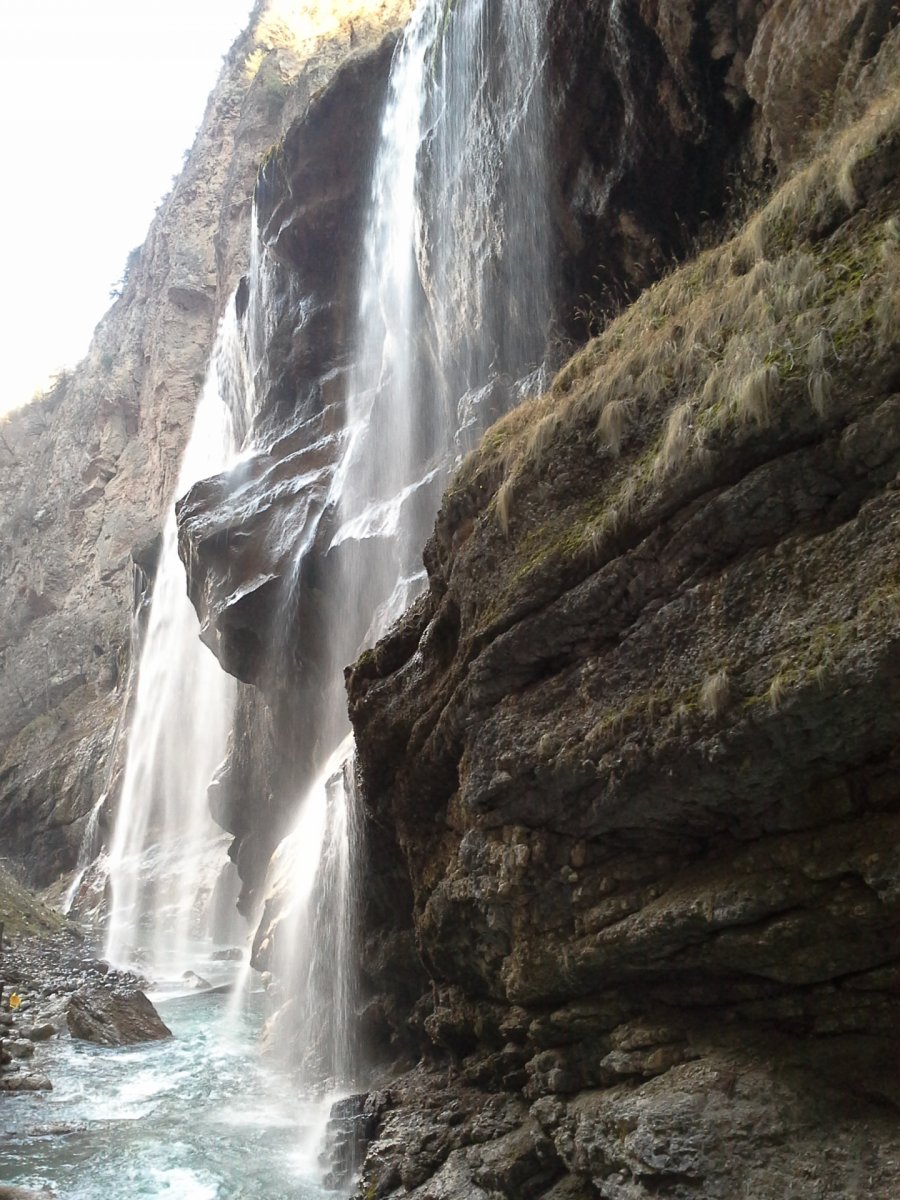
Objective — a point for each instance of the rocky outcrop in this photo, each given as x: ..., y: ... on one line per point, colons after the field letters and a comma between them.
x: 638, y: 740
x: 239, y: 532
x: 311, y: 205
x: 51, y: 984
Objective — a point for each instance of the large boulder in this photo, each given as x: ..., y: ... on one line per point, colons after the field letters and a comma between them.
x: 114, y: 1017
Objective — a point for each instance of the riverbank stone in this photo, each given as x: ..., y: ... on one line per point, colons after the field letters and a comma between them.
x: 24, y: 1081
x: 120, y: 1017
x: 42, y: 1032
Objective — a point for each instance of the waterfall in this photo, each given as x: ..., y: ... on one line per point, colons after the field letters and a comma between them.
x: 453, y: 311
x: 166, y: 852
x: 171, y: 881
x: 87, y: 852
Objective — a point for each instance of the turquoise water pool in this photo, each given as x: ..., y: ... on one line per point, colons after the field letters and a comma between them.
x: 198, y: 1117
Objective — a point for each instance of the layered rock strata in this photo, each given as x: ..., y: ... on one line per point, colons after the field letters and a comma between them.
x: 638, y: 740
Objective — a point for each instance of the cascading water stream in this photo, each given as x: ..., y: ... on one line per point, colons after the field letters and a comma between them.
x: 171, y: 881
x: 87, y: 852
x: 166, y: 852
x: 454, y: 305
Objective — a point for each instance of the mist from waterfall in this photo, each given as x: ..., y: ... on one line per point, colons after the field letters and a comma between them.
x: 453, y: 311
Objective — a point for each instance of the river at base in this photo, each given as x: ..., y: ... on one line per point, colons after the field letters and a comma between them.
x: 196, y: 1117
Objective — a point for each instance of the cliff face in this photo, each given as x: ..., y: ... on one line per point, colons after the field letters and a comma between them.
x: 637, y: 743
x: 88, y: 470
x: 650, y: 118
x: 311, y: 200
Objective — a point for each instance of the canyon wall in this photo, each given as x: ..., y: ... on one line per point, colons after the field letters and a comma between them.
x: 637, y: 744
x: 88, y: 469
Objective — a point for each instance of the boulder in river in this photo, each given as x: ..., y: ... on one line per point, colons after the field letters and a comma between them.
x: 42, y: 1031
x: 114, y: 1017
x: 192, y: 980
x: 20, y: 1047
x: 17, y: 1193
x: 24, y: 1081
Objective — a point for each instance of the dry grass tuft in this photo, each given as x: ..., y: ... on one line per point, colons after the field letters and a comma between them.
x: 733, y: 340
x: 504, y: 503
x: 778, y: 689
x: 677, y: 439
x: 754, y: 397
x: 819, y: 350
x: 541, y: 437
x: 715, y: 693
x: 620, y: 512
x: 751, y: 244
x: 819, y: 386
x: 846, y: 188
x: 613, y: 425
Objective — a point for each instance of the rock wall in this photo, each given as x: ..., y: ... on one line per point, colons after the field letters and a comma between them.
x: 638, y: 742
x: 650, y: 121
x: 88, y: 470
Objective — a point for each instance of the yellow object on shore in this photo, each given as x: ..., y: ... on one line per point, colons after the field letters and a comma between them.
x: 15, y: 1000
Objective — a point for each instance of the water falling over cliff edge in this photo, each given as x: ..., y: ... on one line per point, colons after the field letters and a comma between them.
x: 446, y: 227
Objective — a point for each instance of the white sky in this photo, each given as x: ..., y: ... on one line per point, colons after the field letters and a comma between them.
x: 99, y: 99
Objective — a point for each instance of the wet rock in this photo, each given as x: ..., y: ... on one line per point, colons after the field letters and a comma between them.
x: 232, y: 954
x: 56, y: 1129
x: 192, y: 980
x: 16, y: 1193
x: 42, y: 1032
x: 24, y: 1081
x: 351, y: 1124
x: 19, y: 1047
x: 114, y: 1018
